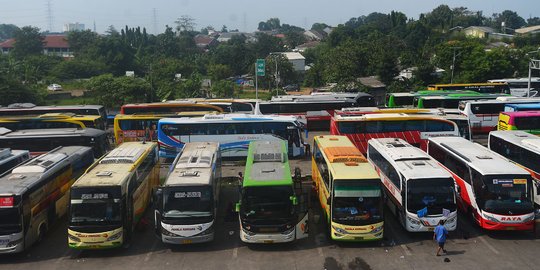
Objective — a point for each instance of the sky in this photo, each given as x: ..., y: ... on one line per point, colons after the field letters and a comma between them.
x: 243, y: 15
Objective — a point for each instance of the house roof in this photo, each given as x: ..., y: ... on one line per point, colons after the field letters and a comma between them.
x: 294, y: 56
x: 371, y: 81
x: 314, y: 33
x: 482, y: 28
x: 50, y: 41
x: 529, y: 29
x: 203, y: 40
x: 310, y: 44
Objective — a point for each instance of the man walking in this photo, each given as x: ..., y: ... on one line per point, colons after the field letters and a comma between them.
x: 440, y: 234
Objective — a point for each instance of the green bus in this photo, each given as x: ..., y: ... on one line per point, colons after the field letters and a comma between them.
x: 394, y: 100
x: 450, y: 101
x: 272, y: 207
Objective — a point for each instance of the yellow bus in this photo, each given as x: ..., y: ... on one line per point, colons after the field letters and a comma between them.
x: 491, y: 88
x: 110, y: 198
x: 348, y: 188
x: 51, y: 120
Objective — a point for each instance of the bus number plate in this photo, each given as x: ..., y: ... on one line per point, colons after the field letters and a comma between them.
x: 268, y: 241
x: 510, y: 228
x: 187, y: 241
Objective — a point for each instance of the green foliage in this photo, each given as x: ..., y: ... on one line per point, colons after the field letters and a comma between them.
x: 270, y: 24
x: 113, y: 91
x: 78, y: 68
x: 224, y: 89
x: 12, y: 91
x: 7, y: 31
x: 28, y: 41
x: 219, y: 72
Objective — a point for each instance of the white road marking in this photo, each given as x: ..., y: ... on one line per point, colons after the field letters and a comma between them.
x: 407, y: 252
x: 235, y: 253
x: 149, y: 254
x: 488, y: 245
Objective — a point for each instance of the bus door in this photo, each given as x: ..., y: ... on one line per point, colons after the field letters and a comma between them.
x: 293, y: 139
x: 301, y: 204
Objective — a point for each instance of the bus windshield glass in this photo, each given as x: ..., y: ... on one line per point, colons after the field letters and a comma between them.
x: 188, y: 203
x: 267, y: 203
x: 95, y: 207
x: 504, y: 194
x: 357, y: 202
x: 435, y: 194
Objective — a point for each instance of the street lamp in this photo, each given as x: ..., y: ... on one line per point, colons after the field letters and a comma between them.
x: 276, y: 57
x: 533, y: 64
x: 454, y: 62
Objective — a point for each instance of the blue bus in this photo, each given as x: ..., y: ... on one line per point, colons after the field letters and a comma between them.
x: 522, y: 107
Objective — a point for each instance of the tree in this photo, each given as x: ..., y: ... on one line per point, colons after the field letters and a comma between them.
x: 219, y: 72
x: 533, y: 21
x: 28, y: 41
x: 294, y: 39
x: 185, y: 24
x: 13, y: 91
x: 440, y: 17
x: 511, y: 19
x: 223, y: 89
x: 78, y: 68
x: 82, y: 42
x: 270, y: 24
x: 111, y: 91
x: 7, y: 31
x: 319, y: 27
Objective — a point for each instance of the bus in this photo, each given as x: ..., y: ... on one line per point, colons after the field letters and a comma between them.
x: 11, y: 158
x: 272, y: 207
x: 450, y: 101
x: 143, y: 127
x: 522, y: 107
x: 232, y: 131
x: 111, y: 197
x: 518, y: 86
x: 528, y: 121
x: 413, y: 128
x: 523, y: 149
x: 168, y: 107
x: 34, y: 195
x: 420, y: 192
x: 348, y: 188
x: 39, y: 141
x: 229, y: 105
x: 486, y: 88
x: 186, y: 203
x: 31, y: 109
x: 484, y: 114
x: 394, y: 100
x: 495, y: 192
x: 51, y: 120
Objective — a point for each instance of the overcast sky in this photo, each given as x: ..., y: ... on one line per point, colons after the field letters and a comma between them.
x: 235, y: 14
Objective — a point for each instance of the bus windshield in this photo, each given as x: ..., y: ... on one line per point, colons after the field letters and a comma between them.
x: 269, y: 202
x: 10, y: 221
x: 188, y: 203
x: 506, y: 194
x: 95, y: 211
x: 435, y: 194
x: 357, y: 202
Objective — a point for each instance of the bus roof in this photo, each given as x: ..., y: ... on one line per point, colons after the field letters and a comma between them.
x: 521, y: 138
x: 31, y: 172
x: 522, y: 113
x: 466, y: 84
x: 387, y: 117
x: 52, y: 132
x: 173, y: 103
x: 477, y: 156
x: 6, y: 153
x: 267, y: 164
x: 412, y: 162
x: 220, y: 118
x: 30, y: 106
x: 114, y: 168
x: 195, y: 165
x: 524, y: 105
x: 499, y: 101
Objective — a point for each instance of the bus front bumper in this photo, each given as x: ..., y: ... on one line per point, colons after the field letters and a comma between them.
x: 340, y: 232
x: 12, y: 243
x: 513, y: 223
x: 179, y: 240
x: 267, y: 238
x: 98, y: 240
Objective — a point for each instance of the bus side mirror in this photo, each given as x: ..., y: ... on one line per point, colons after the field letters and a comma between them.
x: 294, y: 200
x: 537, y: 184
x: 158, y: 198
x: 237, y: 207
x: 458, y: 189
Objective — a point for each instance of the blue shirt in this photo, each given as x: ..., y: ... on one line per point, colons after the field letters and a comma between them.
x: 440, y: 233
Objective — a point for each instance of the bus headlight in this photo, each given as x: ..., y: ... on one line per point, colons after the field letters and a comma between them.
x: 451, y: 220
x: 414, y: 221
x: 490, y: 218
x: 377, y: 229
x: 207, y: 231
x: 248, y: 232
x: 288, y: 231
x: 167, y: 233
x: 74, y: 238
x: 14, y: 243
x: 339, y: 230
x: 529, y: 218
x: 115, y: 236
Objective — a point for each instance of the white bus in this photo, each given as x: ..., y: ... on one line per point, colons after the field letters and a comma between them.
x: 484, y: 114
x: 186, y: 203
x: 518, y: 86
x: 232, y: 131
x: 524, y: 149
x: 11, y: 158
x: 35, y: 194
x: 494, y: 191
x: 420, y: 191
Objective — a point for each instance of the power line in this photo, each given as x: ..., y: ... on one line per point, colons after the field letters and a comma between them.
x: 50, y: 17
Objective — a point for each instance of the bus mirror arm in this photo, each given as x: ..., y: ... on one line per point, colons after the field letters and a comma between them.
x: 294, y: 200
x: 237, y: 207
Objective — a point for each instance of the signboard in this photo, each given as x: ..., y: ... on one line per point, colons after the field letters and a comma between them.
x: 260, y: 67
x: 6, y: 202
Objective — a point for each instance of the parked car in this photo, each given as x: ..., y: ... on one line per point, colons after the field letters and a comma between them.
x: 54, y: 87
x: 292, y: 87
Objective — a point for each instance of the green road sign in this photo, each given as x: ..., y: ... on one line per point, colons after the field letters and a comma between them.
x: 260, y: 66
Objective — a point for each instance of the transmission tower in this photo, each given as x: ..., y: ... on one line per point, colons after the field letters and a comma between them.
x: 154, y: 21
x: 244, y: 21
x: 50, y: 17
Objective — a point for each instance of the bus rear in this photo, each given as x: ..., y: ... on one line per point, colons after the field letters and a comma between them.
x: 528, y: 121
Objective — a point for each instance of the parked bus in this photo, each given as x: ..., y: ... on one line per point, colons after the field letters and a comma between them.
x: 486, y: 88
x: 519, y: 86
x: 186, y: 203
x: 348, y: 188
x: 51, y: 120
x: 111, y: 197
x: 39, y: 141
x: 528, y: 121
x: 34, y: 195
x: 272, y: 207
x: 232, y: 131
x: 420, y: 191
x: 394, y: 100
x: 414, y: 128
x: 484, y: 114
x: 449, y: 101
x: 143, y: 127
x: 168, y: 107
x: 11, y: 158
x: 229, y: 105
x: 523, y: 149
x: 31, y: 109
x: 495, y: 192
x: 520, y: 107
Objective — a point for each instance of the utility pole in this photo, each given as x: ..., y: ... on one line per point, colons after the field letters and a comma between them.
x: 454, y: 62
x: 533, y: 64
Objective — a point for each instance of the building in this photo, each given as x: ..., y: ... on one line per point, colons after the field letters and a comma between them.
x: 297, y: 60
x: 74, y: 27
x: 224, y: 37
x: 205, y: 42
x: 313, y: 35
x: 528, y: 30
x: 478, y: 31
x: 307, y: 45
x: 52, y: 45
